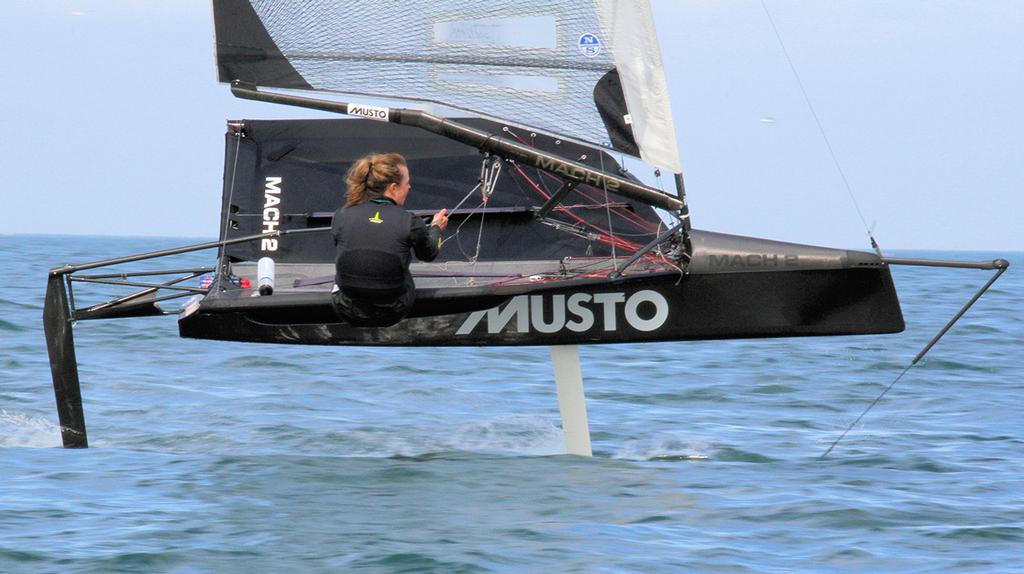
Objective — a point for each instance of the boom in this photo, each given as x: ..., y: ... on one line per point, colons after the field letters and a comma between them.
x: 485, y: 142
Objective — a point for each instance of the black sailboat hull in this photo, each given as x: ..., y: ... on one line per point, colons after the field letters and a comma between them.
x: 652, y: 307
x: 286, y: 175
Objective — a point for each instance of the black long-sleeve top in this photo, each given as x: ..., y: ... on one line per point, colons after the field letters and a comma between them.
x: 374, y: 242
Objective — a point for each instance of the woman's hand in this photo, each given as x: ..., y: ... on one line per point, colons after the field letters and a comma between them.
x: 440, y: 219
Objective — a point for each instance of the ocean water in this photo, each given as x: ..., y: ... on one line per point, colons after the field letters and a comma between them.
x: 226, y: 457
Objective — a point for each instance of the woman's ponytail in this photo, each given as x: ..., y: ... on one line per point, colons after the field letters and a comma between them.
x: 370, y: 176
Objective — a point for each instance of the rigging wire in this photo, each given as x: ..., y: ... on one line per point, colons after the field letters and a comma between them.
x: 456, y: 237
x: 608, y: 210
x: 479, y: 238
x: 480, y: 183
x: 620, y: 211
x: 661, y: 222
x: 609, y: 236
x: 1001, y: 266
x: 629, y: 216
x: 601, y: 234
x: 227, y: 208
x: 468, y: 195
x: 821, y: 129
x: 490, y: 169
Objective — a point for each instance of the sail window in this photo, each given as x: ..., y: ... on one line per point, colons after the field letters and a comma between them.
x: 513, y: 32
x: 502, y: 81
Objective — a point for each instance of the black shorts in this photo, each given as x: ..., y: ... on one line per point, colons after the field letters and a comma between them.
x: 361, y: 312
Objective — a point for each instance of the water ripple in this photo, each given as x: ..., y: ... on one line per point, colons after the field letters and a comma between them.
x: 211, y: 457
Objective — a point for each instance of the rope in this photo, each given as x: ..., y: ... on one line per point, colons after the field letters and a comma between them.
x: 625, y: 214
x: 922, y: 353
x: 602, y: 235
x: 479, y: 239
x: 490, y: 169
x: 227, y: 208
x: 620, y: 212
x: 821, y: 129
x: 608, y: 210
x: 463, y: 200
x: 458, y: 229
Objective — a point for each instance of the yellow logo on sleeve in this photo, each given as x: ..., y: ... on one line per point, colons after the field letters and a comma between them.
x: 376, y: 218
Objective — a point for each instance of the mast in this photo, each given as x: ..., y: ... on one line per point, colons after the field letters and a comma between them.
x: 684, y: 210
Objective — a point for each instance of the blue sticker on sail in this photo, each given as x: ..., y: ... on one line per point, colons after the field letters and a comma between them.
x: 589, y: 45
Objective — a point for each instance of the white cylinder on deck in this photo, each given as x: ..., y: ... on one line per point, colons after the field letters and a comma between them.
x: 265, y: 276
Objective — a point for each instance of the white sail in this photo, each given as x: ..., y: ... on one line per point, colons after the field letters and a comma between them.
x: 638, y: 60
x: 588, y: 70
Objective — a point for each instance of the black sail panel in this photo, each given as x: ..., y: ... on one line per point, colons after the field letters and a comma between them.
x: 246, y: 52
x: 289, y: 174
x: 611, y: 104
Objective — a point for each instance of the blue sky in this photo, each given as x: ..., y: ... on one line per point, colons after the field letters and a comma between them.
x: 113, y: 119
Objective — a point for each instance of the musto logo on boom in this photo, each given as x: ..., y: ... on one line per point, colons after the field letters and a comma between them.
x: 644, y: 310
